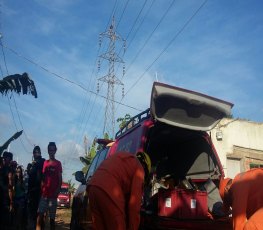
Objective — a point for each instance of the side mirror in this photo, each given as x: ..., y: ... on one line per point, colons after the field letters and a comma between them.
x: 79, y: 176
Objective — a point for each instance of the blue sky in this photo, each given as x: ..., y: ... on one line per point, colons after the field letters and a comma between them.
x: 213, y: 47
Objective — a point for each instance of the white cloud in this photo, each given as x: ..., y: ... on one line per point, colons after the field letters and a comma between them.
x: 5, y: 120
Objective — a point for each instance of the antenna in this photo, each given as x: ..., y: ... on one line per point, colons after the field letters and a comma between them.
x: 156, y: 76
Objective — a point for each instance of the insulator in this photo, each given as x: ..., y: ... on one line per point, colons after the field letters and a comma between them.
x: 100, y: 40
x: 123, y: 70
x: 99, y: 65
x: 122, y: 92
x: 124, y: 46
x: 98, y: 87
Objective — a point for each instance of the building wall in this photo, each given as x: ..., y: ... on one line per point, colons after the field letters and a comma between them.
x: 240, y: 145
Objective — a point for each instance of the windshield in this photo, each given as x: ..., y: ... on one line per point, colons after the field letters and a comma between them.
x: 63, y: 191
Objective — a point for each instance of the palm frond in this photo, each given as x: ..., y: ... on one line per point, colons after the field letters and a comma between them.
x: 18, y: 83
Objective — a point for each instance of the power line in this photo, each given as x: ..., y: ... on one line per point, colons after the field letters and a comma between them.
x: 151, y: 34
x: 1, y: 43
x: 125, y: 7
x: 65, y: 79
x: 19, y: 119
x: 137, y: 18
x: 133, y: 25
x: 142, y: 21
x: 13, y: 117
x: 168, y: 45
x: 139, y: 26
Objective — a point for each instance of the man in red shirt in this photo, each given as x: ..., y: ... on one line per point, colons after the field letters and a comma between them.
x: 51, y: 184
x: 245, y: 195
x: 115, y: 191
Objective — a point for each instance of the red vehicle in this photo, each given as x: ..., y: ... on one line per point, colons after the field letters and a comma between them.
x: 64, y: 196
x: 182, y: 192
x: 80, y: 215
x: 183, y: 189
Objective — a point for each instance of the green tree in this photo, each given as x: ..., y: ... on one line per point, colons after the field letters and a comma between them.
x: 123, y: 120
x: 86, y: 160
x: 106, y: 136
x: 93, y: 149
x: 71, y: 187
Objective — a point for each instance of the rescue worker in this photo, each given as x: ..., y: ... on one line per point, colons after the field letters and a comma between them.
x: 115, y: 191
x: 245, y: 195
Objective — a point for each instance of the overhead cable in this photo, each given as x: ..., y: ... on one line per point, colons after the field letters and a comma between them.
x: 168, y: 45
x: 1, y: 43
x: 65, y: 79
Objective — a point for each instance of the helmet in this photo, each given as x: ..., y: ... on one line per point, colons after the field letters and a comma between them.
x: 144, y: 159
x: 222, y: 186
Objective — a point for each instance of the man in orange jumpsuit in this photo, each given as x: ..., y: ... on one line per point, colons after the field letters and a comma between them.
x: 245, y: 195
x: 115, y: 191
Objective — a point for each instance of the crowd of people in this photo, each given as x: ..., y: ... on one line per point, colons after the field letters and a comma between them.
x: 26, y: 194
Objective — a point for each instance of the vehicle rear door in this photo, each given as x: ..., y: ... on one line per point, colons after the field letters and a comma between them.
x: 186, y: 109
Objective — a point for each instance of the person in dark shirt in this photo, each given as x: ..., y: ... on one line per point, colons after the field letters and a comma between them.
x: 34, y: 171
x: 20, y: 199
x: 6, y: 190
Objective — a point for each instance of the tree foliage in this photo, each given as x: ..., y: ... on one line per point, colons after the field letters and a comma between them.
x: 123, y: 120
x: 71, y: 188
x: 87, y: 159
x: 18, y: 83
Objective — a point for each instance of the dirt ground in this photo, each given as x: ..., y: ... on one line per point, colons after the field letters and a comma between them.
x: 62, y: 219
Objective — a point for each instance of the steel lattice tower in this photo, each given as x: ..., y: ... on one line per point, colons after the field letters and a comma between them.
x: 112, y: 57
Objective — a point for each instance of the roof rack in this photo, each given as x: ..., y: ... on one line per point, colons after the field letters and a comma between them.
x: 133, y: 122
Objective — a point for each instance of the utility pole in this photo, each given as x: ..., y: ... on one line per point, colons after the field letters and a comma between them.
x: 111, y: 79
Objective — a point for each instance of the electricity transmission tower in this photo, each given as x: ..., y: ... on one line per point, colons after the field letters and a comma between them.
x: 111, y: 79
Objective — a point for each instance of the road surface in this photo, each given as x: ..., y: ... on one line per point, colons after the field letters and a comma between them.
x: 62, y: 219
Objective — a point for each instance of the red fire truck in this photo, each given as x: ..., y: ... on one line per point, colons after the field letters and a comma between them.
x: 64, y: 196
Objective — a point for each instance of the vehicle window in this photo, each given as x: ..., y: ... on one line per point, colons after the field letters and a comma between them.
x: 92, y: 167
x: 102, y: 156
x: 63, y: 191
x: 99, y: 157
x: 130, y: 142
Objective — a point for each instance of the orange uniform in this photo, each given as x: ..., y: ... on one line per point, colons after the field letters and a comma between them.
x: 246, y: 192
x: 115, y: 193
